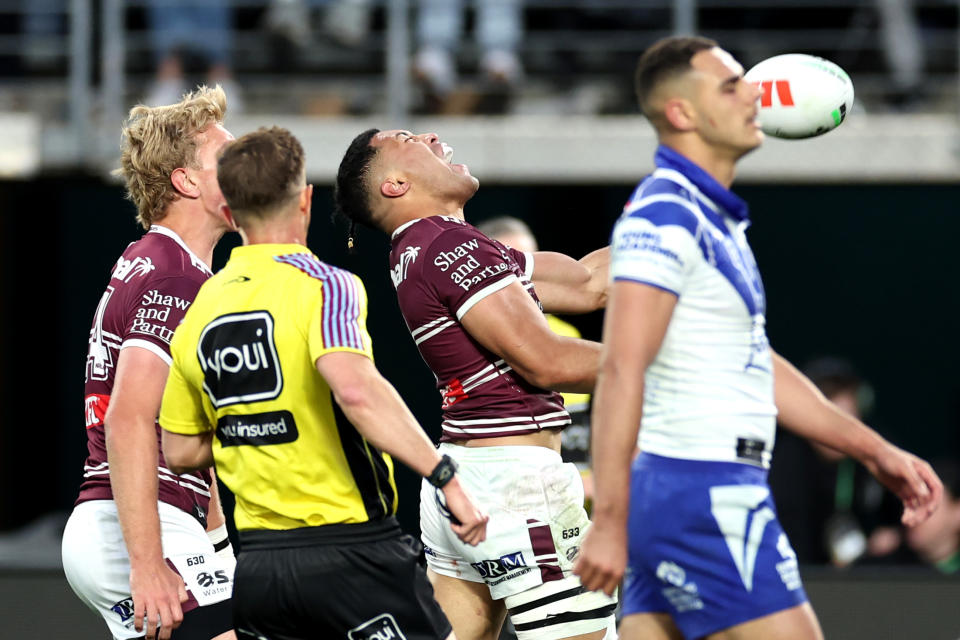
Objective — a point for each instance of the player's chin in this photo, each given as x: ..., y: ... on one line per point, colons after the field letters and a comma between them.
x: 751, y: 142
x: 461, y: 169
x: 474, y: 182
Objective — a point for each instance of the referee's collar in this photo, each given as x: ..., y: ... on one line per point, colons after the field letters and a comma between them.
x: 268, y: 250
x: 732, y: 204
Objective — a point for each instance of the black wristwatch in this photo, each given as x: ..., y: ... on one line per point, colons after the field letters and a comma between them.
x: 443, y: 472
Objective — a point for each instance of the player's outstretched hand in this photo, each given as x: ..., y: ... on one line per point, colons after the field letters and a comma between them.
x: 603, y: 558
x: 912, y: 479
x: 466, y: 520
x: 157, y: 592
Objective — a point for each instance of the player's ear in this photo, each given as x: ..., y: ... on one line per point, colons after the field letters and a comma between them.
x: 306, y: 199
x: 394, y: 188
x: 183, y: 183
x: 679, y: 114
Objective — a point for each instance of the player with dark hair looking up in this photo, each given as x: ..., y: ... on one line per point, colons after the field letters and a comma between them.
x: 474, y: 308
x: 273, y: 378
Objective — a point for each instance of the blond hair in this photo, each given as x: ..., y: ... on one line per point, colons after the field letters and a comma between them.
x: 159, y: 140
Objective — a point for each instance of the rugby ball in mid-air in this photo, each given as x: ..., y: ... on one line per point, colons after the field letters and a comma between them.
x: 802, y: 95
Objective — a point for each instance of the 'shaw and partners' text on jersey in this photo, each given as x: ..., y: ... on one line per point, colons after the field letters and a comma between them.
x: 441, y: 267
x: 151, y: 287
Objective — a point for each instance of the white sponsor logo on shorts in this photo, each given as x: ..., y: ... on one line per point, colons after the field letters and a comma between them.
x: 501, y: 566
x: 682, y: 595
x: 788, y: 569
x: 124, y: 609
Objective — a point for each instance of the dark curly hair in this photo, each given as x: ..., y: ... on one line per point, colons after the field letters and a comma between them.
x: 350, y: 192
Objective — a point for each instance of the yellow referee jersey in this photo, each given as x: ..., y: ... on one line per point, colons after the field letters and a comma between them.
x: 243, y: 367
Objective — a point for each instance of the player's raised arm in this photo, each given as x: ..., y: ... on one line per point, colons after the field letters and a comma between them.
x: 803, y: 409
x: 375, y: 408
x: 509, y: 324
x: 563, y: 284
x: 566, y: 285
x: 635, y: 325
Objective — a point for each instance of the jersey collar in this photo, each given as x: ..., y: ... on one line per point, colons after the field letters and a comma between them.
x: 268, y: 249
x: 173, y: 235
x: 732, y: 204
x: 406, y: 225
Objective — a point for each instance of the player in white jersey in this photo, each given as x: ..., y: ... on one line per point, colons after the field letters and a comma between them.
x: 694, y: 533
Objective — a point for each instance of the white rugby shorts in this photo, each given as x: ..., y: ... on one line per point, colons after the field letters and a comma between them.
x: 97, y: 566
x: 537, y: 522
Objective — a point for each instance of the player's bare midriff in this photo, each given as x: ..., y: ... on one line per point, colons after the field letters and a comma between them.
x: 549, y: 438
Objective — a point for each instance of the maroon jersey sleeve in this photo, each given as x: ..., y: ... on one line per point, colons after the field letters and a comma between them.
x: 524, y: 261
x: 150, y: 289
x: 156, y: 312
x: 464, y: 266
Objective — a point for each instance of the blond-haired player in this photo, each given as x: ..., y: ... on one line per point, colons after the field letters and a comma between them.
x: 136, y: 548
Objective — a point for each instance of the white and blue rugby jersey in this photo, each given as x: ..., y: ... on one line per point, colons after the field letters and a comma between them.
x: 709, y: 393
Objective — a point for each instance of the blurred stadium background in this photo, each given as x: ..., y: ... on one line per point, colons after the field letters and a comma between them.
x: 855, y: 232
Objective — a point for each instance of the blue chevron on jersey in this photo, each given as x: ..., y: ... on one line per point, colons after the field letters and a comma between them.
x: 667, y: 197
x: 685, y: 233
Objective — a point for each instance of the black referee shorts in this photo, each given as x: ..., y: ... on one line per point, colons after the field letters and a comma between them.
x: 360, y: 582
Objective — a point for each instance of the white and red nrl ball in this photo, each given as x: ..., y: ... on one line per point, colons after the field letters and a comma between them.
x: 802, y: 95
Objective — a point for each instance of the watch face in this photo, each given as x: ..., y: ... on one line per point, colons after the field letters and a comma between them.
x: 445, y: 474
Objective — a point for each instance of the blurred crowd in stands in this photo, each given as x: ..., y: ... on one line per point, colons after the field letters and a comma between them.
x: 477, y: 56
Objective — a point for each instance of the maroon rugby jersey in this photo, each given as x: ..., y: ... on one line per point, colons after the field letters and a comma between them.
x: 442, y: 266
x: 150, y: 289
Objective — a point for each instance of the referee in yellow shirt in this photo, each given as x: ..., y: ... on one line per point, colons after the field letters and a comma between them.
x: 273, y: 380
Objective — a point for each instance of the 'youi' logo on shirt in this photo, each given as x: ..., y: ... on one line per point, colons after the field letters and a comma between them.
x: 383, y: 627
x: 239, y: 359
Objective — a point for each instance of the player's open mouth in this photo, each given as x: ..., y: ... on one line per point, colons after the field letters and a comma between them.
x: 447, y: 151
